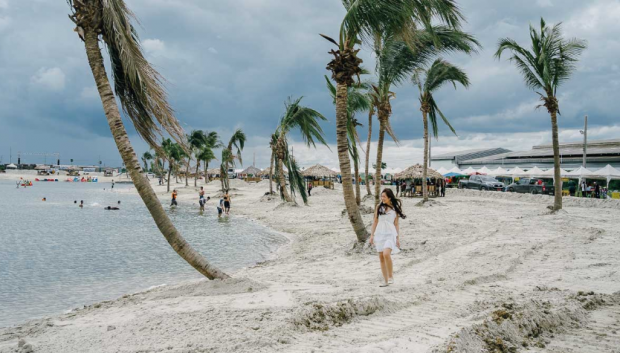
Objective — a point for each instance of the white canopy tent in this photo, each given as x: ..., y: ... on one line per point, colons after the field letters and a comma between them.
x: 469, y: 171
x: 484, y: 170
x: 517, y: 172
x: 608, y: 173
x: 535, y: 172
x: 442, y: 171
x: 11, y: 166
x: 550, y: 172
x: 579, y: 173
x: 455, y: 170
x: 499, y: 172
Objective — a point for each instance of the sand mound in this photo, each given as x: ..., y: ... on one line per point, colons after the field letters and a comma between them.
x: 237, y: 183
x: 541, y: 199
x: 511, y: 326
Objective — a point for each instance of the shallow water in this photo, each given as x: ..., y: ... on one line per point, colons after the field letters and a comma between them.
x: 55, y: 256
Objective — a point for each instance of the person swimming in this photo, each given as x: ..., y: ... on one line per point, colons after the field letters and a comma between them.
x: 44, y: 199
x: 111, y: 208
x: 81, y: 203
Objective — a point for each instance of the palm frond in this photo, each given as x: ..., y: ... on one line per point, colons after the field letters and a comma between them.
x: 442, y: 72
x: 138, y: 86
x: 295, y: 178
x: 304, y: 118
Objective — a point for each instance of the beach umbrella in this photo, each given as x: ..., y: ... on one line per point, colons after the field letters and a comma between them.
x: 251, y: 170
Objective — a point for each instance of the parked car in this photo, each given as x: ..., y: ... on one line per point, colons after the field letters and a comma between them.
x: 532, y: 186
x: 482, y: 182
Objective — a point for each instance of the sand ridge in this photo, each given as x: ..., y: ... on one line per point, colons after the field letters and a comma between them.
x: 461, y: 263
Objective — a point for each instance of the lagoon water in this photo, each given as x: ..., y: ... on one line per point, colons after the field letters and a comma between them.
x: 55, y: 256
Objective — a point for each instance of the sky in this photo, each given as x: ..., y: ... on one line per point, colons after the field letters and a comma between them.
x: 232, y: 64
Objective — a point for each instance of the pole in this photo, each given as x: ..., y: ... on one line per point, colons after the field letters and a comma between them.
x: 585, y: 141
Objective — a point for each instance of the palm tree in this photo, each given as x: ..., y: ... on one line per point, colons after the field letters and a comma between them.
x: 440, y: 73
x: 371, y: 113
x: 548, y: 65
x: 307, y: 121
x: 237, y: 140
x: 196, y: 141
x: 357, y: 101
x: 212, y: 141
x: 272, y: 144
x: 397, y: 60
x: 175, y: 154
x: 363, y: 19
x: 143, y: 99
x: 146, y: 156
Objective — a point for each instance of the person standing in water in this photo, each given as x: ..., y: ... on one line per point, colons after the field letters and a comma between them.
x: 385, y: 233
x: 174, y: 198
x: 112, y: 183
x: 220, y: 208
x: 81, y: 203
x: 227, y: 203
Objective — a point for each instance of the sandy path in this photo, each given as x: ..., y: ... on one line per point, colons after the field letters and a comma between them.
x: 462, y: 260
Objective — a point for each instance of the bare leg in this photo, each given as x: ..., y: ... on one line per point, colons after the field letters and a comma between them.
x: 387, y: 256
x: 384, y: 269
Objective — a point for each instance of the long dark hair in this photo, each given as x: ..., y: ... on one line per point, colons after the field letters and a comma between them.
x: 396, y: 204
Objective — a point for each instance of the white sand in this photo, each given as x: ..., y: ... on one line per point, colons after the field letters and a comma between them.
x: 478, y: 271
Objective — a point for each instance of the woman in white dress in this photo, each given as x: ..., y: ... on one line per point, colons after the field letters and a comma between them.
x: 385, y: 232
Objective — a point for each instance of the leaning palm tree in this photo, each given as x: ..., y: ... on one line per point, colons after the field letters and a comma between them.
x: 143, y: 99
x: 397, y: 60
x: 357, y: 101
x: 362, y: 20
x: 440, y: 73
x: 146, y: 156
x: 206, y: 155
x: 306, y: 120
x: 548, y: 65
x: 237, y: 140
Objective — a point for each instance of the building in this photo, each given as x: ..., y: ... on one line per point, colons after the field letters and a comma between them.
x: 599, y: 154
x: 455, y: 159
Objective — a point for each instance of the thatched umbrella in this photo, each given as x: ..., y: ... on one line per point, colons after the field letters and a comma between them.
x: 319, y: 171
x: 416, y: 172
x: 251, y: 170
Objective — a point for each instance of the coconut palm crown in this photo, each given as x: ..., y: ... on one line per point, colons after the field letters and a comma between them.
x: 549, y: 64
x: 306, y: 120
x: 237, y: 140
x: 143, y: 99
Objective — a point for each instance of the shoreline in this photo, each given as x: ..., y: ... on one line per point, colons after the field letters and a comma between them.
x: 462, y: 257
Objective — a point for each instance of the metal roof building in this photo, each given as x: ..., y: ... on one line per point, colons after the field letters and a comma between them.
x: 450, y: 160
x: 599, y: 154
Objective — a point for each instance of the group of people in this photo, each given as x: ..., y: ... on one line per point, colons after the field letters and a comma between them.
x: 595, y: 190
x: 223, y: 206
x: 407, y: 188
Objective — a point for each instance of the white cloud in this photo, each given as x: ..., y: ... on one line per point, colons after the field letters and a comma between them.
x: 5, y: 22
x: 213, y: 50
x: 52, y: 79
x: 4, y: 4
x: 153, y: 46
x: 544, y: 3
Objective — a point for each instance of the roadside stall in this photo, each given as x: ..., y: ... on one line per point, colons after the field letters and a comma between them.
x: 413, y: 177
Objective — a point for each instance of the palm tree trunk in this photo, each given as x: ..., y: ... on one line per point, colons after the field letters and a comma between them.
x: 282, y: 182
x: 152, y: 203
x: 356, y: 168
x: 425, y: 167
x: 370, y: 114
x: 169, y: 174
x: 146, y: 169
x: 345, y: 164
x: 271, y: 174
x: 187, y: 172
x: 382, y: 120
x: 197, y: 170
x: 206, y: 172
x: 557, y: 178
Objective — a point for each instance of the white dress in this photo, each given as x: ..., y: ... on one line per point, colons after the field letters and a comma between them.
x: 385, y: 233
